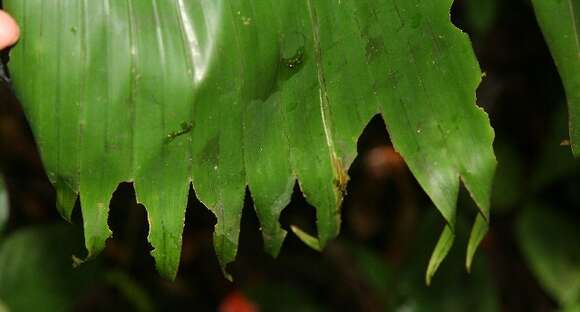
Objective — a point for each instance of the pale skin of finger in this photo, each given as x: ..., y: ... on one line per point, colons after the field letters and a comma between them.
x: 9, y: 30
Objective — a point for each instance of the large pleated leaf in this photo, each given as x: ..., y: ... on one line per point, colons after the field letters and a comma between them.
x: 560, y: 23
x: 244, y: 93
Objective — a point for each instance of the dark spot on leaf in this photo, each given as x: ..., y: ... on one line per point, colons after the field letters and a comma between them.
x: 211, y: 150
x: 374, y: 48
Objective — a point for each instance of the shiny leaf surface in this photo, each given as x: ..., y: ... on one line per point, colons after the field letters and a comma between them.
x: 560, y: 23
x: 233, y: 94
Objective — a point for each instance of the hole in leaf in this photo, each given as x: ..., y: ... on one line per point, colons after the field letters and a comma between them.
x: 128, y: 222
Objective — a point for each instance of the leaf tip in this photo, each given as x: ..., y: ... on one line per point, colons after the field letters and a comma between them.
x: 76, y: 261
x: 65, y: 202
x: 226, y: 251
x: 306, y: 238
x: 441, y: 250
x: 478, y: 232
x: 273, y: 241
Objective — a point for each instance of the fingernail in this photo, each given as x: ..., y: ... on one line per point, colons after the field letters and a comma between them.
x: 9, y: 30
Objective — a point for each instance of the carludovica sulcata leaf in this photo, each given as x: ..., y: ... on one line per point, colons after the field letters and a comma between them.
x: 230, y: 94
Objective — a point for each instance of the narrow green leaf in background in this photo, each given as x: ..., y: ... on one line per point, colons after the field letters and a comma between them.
x: 306, y: 238
x: 442, y: 248
x: 453, y: 289
x: 560, y: 23
x: 550, y: 245
x: 245, y: 93
x: 478, y: 231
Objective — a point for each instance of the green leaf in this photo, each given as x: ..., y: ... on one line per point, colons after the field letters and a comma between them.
x: 480, y: 228
x: 550, y: 245
x: 36, y: 272
x: 132, y: 291
x: 233, y: 94
x: 572, y: 308
x: 442, y: 248
x: 453, y: 289
x: 306, y: 238
x: 560, y: 24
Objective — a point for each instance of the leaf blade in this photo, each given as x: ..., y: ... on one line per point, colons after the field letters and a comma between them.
x: 560, y: 24
x: 187, y: 92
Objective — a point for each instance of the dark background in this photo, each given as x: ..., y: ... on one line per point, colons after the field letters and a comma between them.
x: 389, y: 225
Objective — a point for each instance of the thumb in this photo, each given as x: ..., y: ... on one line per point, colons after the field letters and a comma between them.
x: 9, y: 31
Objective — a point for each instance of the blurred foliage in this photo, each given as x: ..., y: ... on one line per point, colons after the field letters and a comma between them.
x: 554, y: 162
x: 404, y: 283
x: 131, y: 290
x: 399, y: 286
x: 36, y: 271
x: 481, y: 15
x: 509, y: 181
x: 394, y: 286
x: 551, y: 244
